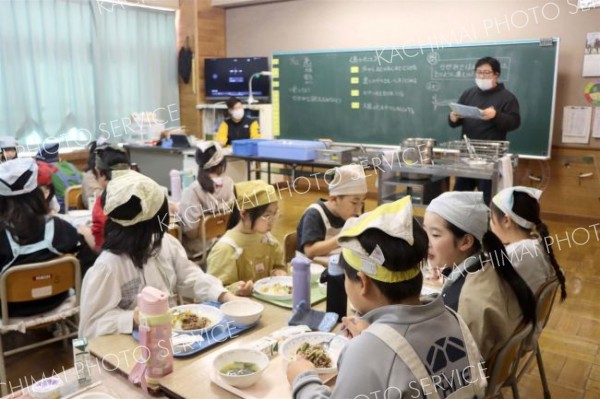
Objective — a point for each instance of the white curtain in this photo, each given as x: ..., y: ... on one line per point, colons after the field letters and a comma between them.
x: 71, y: 69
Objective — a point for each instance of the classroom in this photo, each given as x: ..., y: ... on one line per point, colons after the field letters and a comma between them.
x: 300, y: 199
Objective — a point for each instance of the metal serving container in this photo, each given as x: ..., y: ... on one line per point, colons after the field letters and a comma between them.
x: 417, y: 151
x: 335, y: 155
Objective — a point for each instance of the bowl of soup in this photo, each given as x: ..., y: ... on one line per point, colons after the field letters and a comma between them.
x: 240, y: 367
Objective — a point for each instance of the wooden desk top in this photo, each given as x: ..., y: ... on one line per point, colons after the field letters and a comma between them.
x: 191, y: 375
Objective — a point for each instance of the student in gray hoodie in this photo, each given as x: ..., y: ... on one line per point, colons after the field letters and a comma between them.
x: 413, y: 347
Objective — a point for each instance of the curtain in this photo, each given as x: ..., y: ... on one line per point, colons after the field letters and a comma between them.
x: 72, y: 70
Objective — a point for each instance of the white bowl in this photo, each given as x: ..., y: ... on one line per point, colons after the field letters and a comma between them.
x: 242, y: 312
x: 241, y: 355
x: 289, y: 347
x: 315, y: 272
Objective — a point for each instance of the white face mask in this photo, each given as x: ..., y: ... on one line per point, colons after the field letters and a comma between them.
x: 484, y: 84
x: 237, y: 114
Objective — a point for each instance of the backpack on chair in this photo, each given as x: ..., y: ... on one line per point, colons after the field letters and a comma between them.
x: 66, y: 176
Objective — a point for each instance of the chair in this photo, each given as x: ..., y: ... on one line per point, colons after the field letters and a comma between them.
x: 504, y: 365
x: 289, y: 246
x: 175, y: 231
x: 74, y: 198
x: 213, y: 225
x: 531, y: 347
x: 37, y: 281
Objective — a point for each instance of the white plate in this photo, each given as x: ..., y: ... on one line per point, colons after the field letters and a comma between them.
x: 264, y: 287
x: 79, y: 213
x: 210, y: 312
x: 290, y: 346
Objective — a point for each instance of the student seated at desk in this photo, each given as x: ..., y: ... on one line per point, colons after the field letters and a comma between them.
x: 65, y: 175
x: 44, y: 180
x: 90, y: 186
x: 110, y: 161
x: 248, y: 251
x: 27, y: 233
x: 210, y: 194
x: 321, y: 222
x: 481, y: 283
x: 515, y: 219
x: 138, y: 253
x: 238, y: 126
x: 410, y: 341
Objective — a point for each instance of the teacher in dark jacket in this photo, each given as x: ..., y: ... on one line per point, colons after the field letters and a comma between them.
x: 499, y: 115
x: 238, y: 126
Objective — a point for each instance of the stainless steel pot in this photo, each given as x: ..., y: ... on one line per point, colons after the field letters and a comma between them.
x: 417, y: 151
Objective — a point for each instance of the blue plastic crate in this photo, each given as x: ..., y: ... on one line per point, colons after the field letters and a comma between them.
x: 293, y: 150
x: 246, y: 147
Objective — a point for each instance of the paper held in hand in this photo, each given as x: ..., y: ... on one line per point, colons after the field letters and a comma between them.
x: 466, y: 111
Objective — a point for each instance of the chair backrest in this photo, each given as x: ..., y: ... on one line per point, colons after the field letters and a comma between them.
x: 175, y: 230
x: 35, y: 281
x: 289, y: 246
x: 212, y: 226
x: 504, y: 365
x: 74, y: 198
x: 544, y: 301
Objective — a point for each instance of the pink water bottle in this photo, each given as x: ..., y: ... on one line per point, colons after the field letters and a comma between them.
x: 175, y: 185
x: 155, y: 333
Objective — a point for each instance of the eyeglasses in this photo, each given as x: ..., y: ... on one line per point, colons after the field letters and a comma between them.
x: 484, y: 73
x: 270, y: 218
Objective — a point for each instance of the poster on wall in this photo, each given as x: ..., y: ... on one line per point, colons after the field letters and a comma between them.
x: 591, y: 58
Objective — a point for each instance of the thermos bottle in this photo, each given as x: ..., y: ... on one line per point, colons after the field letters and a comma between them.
x: 175, y: 185
x: 300, y: 281
x: 155, y: 333
x: 337, y: 299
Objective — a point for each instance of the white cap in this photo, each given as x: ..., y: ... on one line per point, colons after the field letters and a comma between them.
x: 505, y: 201
x: 464, y: 209
x: 348, y: 180
x: 18, y: 176
x: 8, y: 142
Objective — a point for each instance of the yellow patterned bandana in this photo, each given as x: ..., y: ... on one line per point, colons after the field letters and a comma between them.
x: 394, y: 219
x: 124, y: 186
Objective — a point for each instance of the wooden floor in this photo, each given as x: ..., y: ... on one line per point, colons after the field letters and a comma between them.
x: 570, y: 344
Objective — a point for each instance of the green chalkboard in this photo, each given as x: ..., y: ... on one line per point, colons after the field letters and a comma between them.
x: 381, y: 96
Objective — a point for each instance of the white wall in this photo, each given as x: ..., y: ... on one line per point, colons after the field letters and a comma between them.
x: 300, y: 25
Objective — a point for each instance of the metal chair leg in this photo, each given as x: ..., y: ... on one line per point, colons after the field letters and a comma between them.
x: 540, y: 363
x: 3, y: 378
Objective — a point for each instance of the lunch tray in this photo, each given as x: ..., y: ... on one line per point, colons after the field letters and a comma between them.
x: 272, y: 384
x: 317, y: 295
x: 216, y: 335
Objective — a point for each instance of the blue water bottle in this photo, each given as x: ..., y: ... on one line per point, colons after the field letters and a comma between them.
x: 300, y: 280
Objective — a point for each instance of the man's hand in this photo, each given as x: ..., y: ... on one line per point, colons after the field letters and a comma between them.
x: 488, y: 113
x: 454, y: 117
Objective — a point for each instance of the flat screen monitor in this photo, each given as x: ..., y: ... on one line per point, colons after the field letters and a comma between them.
x: 227, y: 77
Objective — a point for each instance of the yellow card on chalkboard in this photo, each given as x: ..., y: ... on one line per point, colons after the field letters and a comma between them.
x: 275, y: 83
x: 354, y: 81
x: 275, y: 72
x: 275, y: 61
x: 355, y: 105
x: 354, y: 69
x: 354, y: 93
